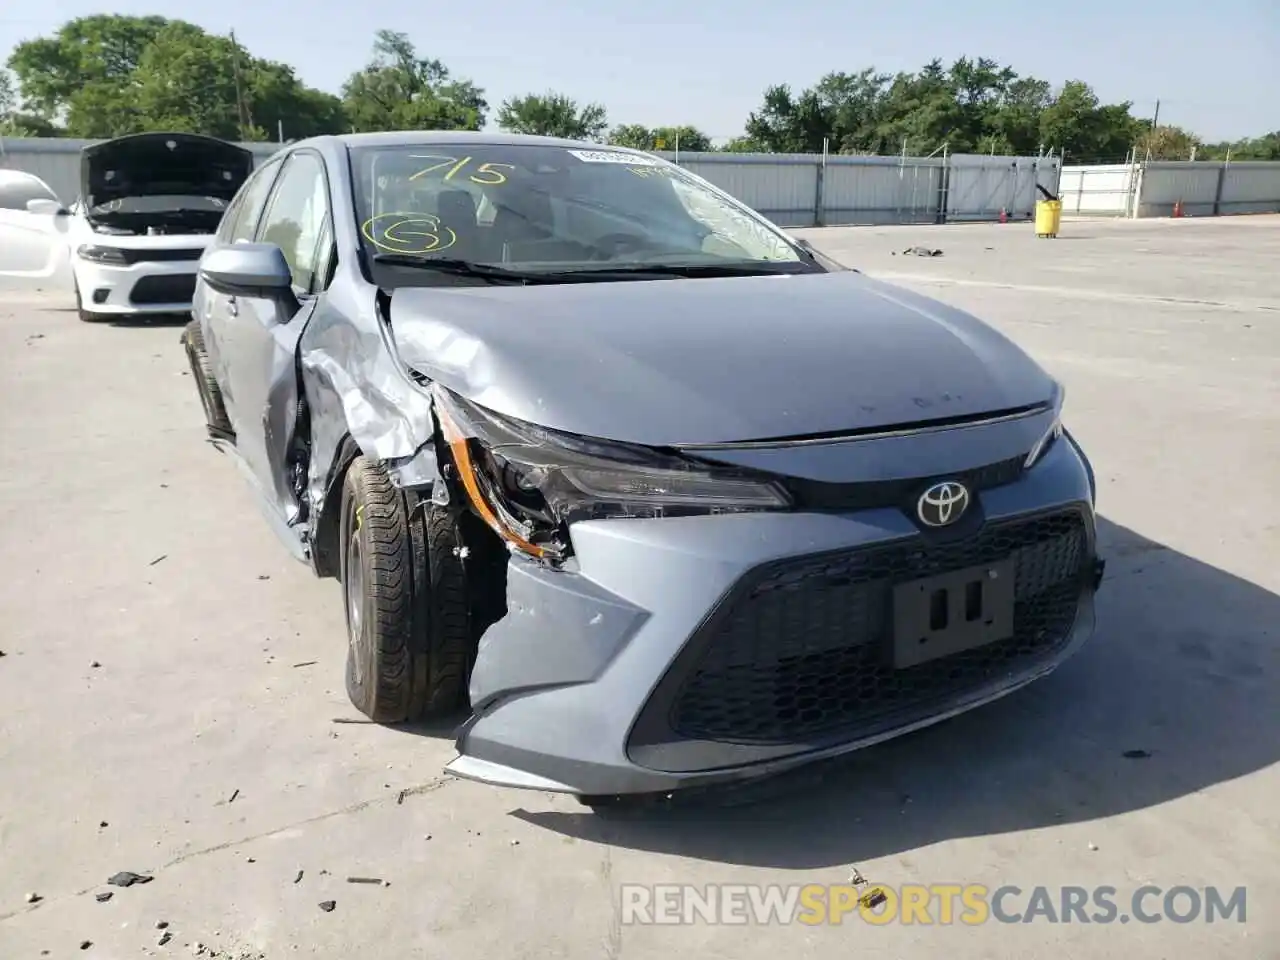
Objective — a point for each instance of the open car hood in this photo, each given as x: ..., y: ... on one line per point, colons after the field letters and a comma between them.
x: 162, y: 164
x: 669, y: 362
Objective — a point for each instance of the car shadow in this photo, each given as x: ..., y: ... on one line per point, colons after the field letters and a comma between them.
x: 1176, y: 692
x: 152, y: 320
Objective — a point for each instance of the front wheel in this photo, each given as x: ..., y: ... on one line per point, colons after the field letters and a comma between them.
x: 404, y: 591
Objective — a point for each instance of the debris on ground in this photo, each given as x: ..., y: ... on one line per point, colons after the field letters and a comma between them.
x: 1093, y: 846
x: 127, y: 878
x: 922, y: 252
x: 328, y: 905
x: 1137, y: 754
x: 377, y: 880
x: 95, y: 665
x: 34, y: 898
x: 235, y: 794
x: 104, y: 896
x: 103, y: 825
x: 298, y: 878
x: 86, y: 944
x: 400, y: 798
x: 164, y: 938
x: 162, y: 924
x: 306, y: 663
x: 162, y: 556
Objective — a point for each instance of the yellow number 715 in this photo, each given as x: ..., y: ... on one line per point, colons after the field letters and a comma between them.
x: 485, y: 173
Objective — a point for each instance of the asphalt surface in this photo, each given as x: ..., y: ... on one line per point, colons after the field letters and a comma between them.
x: 172, y: 682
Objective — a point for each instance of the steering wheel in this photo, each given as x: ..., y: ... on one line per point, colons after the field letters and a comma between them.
x: 612, y: 244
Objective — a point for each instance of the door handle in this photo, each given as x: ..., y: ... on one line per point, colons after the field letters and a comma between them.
x: 233, y: 308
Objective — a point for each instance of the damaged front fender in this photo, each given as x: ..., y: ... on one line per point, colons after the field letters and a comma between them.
x: 361, y: 401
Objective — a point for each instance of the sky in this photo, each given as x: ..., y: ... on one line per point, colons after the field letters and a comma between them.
x: 1214, y: 67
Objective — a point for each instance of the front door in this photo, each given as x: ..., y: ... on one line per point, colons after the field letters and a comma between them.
x: 260, y: 342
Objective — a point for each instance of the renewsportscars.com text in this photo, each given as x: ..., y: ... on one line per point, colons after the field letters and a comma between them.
x: 926, y: 904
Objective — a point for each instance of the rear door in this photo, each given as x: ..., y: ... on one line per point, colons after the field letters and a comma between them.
x: 262, y: 360
x: 34, y: 250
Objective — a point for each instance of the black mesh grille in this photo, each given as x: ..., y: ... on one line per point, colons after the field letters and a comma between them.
x: 816, y: 495
x: 800, y: 651
x: 173, y: 288
x: 144, y: 255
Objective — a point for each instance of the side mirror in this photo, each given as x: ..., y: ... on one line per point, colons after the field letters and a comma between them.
x: 46, y: 208
x: 249, y: 270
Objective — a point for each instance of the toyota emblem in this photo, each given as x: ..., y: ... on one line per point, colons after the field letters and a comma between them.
x: 942, y: 504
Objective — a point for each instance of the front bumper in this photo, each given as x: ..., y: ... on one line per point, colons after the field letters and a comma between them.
x: 149, y: 287
x: 689, y: 651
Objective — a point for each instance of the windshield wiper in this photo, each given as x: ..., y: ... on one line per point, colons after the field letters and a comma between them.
x: 761, y: 268
x: 457, y: 267
x: 587, y: 274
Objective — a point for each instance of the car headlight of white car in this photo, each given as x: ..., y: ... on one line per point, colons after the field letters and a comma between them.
x: 111, y: 256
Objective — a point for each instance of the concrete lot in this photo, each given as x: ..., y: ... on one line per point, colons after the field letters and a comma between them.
x: 171, y: 679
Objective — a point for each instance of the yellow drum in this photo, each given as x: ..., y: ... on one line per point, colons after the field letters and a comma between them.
x: 1048, y: 217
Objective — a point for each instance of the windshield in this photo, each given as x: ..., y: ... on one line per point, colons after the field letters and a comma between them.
x: 536, y: 207
x: 159, y: 204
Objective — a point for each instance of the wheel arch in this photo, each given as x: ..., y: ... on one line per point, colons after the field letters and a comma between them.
x: 326, y: 526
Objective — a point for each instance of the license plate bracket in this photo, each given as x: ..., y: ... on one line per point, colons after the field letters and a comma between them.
x: 951, y: 612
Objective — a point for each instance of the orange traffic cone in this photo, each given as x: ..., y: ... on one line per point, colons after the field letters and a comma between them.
x: 1004, y: 215
x: 1177, y: 209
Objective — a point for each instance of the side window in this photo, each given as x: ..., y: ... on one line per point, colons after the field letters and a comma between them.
x: 296, y: 216
x: 241, y: 222
x: 17, y: 187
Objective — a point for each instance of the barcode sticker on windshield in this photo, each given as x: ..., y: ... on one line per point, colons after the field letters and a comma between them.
x: 614, y: 156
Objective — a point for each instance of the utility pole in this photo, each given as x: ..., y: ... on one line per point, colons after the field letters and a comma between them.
x: 1155, y: 120
x: 244, y: 117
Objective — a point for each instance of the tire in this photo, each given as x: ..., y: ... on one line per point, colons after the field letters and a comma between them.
x: 215, y: 412
x: 405, y: 598
x: 85, y: 315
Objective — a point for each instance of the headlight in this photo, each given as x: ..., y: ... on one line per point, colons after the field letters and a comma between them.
x: 1052, y: 434
x: 529, y: 483
x: 109, y: 255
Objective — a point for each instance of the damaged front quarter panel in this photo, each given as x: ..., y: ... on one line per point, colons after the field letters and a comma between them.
x: 361, y: 400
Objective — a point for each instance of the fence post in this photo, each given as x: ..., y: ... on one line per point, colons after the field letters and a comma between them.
x: 819, y: 201
x: 944, y: 185
x: 1217, y: 192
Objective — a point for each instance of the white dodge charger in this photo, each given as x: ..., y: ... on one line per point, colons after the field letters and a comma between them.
x: 129, y: 245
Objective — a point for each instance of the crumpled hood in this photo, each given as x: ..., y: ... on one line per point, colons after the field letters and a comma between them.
x: 162, y: 164
x: 668, y: 362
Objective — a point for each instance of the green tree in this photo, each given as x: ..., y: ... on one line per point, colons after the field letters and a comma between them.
x: 15, y: 123
x: 685, y: 138
x: 639, y: 137
x: 398, y: 90
x: 111, y: 75
x: 634, y: 135
x: 553, y: 115
x: 1169, y: 143
x: 1076, y: 123
x: 973, y: 105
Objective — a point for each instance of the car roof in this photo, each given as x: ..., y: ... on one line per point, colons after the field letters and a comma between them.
x: 411, y: 138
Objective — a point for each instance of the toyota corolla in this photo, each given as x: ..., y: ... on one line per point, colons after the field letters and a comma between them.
x: 646, y: 493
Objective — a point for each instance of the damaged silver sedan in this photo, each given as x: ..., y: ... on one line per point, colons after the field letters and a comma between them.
x: 649, y: 493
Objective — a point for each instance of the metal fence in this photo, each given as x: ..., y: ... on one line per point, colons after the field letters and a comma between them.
x: 810, y: 190
x: 793, y: 190
x: 1159, y: 188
